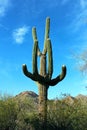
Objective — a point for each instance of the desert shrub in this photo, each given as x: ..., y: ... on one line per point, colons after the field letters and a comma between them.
x: 62, y: 115
x: 65, y: 116
x: 27, y: 121
x: 8, y: 113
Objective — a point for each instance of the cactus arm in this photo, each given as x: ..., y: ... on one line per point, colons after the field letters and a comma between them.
x: 47, y: 30
x: 50, y: 58
x: 35, y: 77
x: 59, y: 77
x: 42, y: 80
x: 27, y: 73
x: 34, y: 35
x: 34, y: 61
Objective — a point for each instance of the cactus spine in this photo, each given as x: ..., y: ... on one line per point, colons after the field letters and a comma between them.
x: 43, y: 77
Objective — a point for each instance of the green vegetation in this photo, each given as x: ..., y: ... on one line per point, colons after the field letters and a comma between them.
x: 43, y: 77
x: 8, y: 113
x: 21, y: 113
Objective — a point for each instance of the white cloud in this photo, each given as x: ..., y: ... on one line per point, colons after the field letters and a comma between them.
x: 19, y: 34
x: 4, y: 4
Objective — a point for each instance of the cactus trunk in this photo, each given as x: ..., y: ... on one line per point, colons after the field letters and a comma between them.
x: 43, y: 106
x: 43, y: 76
x: 43, y: 89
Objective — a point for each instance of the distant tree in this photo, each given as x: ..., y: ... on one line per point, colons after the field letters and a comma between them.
x: 82, y: 61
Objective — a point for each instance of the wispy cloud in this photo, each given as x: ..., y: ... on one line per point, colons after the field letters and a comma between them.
x: 79, y: 18
x: 19, y: 34
x: 77, y: 25
x: 4, y: 4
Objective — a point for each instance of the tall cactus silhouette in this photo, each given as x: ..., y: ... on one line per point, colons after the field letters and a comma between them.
x: 44, y: 75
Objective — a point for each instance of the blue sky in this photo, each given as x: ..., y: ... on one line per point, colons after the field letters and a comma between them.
x: 68, y: 33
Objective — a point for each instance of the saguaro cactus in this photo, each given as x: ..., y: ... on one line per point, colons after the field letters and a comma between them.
x: 43, y: 76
